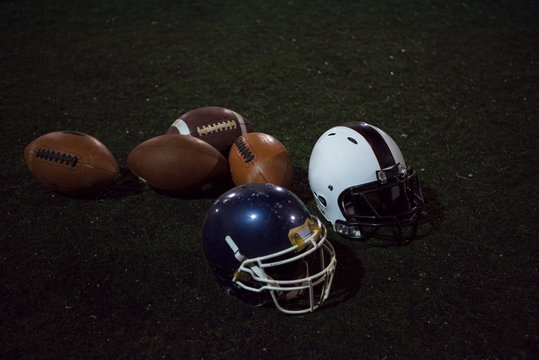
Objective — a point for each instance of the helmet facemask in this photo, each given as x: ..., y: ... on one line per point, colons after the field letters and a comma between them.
x: 291, y: 275
x: 383, y: 212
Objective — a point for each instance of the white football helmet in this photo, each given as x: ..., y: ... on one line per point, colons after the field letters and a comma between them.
x: 361, y: 185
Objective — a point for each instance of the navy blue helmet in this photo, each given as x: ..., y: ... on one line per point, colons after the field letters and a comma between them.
x: 262, y: 244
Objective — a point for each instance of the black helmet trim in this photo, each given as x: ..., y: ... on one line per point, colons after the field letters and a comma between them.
x: 376, y: 141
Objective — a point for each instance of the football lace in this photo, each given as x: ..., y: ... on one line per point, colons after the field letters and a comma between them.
x: 220, y: 126
x: 58, y: 157
x: 244, y: 150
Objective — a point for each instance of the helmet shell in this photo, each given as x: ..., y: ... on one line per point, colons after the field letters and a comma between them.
x: 258, y: 217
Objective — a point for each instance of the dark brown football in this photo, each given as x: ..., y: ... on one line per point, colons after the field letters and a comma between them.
x: 178, y: 164
x: 216, y: 125
x: 71, y: 162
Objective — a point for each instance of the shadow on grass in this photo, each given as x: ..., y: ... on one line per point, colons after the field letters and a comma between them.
x: 348, y: 276
x: 129, y: 184
x: 432, y: 214
x: 126, y: 185
x: 300, y: 185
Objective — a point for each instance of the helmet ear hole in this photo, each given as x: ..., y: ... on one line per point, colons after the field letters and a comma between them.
x: 322, y: 200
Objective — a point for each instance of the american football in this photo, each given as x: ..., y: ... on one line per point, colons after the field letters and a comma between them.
x: 177, y: 164
x: 71, y: 163
x: 216, y: 125
x: 260, y: 158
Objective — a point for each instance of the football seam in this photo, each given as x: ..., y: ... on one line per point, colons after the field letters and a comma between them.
x: 261, y: 174
x: 106, y: 171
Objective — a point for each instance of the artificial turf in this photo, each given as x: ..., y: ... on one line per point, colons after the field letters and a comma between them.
x: 123, y: 275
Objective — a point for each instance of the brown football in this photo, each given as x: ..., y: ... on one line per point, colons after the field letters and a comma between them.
x: 71, y: 162
x: 260, y: 158
x: 216, y: 125
x: 177, y: 164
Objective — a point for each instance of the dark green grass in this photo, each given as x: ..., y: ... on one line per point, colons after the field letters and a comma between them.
x: 123, y: 276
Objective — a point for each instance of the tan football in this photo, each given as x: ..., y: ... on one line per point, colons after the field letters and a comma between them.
x: 71, y: 162
x: 260, y: 158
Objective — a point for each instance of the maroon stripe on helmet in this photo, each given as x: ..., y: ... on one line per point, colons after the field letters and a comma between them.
x: 378, y: 144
